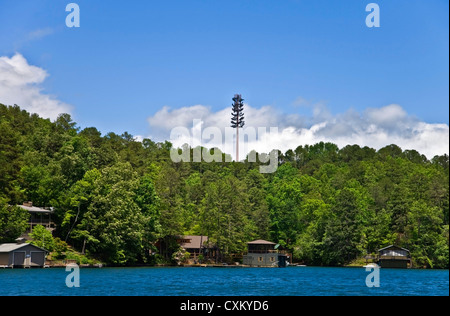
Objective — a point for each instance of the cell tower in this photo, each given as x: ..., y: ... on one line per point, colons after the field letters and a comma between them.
x: 237, y: 118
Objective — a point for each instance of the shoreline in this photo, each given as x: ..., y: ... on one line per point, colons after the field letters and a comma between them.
x: 101, y: 265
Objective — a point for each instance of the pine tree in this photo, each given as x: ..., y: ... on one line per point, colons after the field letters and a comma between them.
x: 237, y: 118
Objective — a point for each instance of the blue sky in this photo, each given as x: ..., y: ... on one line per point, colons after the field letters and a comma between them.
x: 129, y: 59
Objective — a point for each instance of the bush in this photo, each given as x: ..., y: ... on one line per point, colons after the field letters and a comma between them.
x: 42, y: 238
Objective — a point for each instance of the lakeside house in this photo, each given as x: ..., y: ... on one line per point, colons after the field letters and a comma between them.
x: 195, y: 245
x: 394, y: 257
x: 263, y: 253
x: 22, y: 255
x: 38, y: 216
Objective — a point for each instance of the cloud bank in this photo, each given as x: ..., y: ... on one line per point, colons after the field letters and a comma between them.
x: 375, y: 128
x: 20, y: 83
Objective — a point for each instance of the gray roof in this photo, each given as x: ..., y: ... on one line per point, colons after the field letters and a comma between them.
x: 8, y: 247
x: 260, y: 242
x: 393, y: 246
x: 34, y: 209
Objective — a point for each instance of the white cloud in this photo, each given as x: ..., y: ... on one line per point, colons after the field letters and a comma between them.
x: 375, y: 128
x: 20, y: 84
x: 388, y: 114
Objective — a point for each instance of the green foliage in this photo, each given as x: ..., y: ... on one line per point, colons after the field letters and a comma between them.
x: 9, y: 159
x: 43, y: 238
x: 343, y: 232
x: 114, y: 225
x: 13, y: 222
x: 115, y: 197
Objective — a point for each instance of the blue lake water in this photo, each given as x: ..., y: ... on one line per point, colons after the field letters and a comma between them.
x: 292, y: 281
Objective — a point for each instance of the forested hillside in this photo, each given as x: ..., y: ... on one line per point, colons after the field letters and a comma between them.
x: 114, y: 196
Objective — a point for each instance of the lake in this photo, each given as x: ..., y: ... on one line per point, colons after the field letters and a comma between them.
x: 172, y: 281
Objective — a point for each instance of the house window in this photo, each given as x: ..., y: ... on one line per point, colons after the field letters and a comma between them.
x: 260, y: 259
x: 272, y: 259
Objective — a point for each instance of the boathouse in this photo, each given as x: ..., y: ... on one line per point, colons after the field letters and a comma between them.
x: 263, y: 253
x: 22, y: 255
x: 394, y: 257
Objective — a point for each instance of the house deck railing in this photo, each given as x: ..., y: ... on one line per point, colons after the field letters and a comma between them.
x: 264, y: 251
x: 393, y: 258
x: 40, y: 221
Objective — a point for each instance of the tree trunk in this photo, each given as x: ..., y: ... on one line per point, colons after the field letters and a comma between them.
x: 237, y: 143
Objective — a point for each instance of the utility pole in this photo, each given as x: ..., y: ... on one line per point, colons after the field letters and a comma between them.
x: 237, y: 118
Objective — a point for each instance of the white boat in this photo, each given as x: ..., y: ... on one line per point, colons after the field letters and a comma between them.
x: 372, y: 265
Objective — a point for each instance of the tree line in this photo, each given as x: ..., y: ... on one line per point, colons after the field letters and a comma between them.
x: 114, y: 197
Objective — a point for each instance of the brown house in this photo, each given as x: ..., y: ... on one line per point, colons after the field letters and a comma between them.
x: 195, y: 245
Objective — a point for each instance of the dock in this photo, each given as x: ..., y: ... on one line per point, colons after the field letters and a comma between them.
x: 5, y: 267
